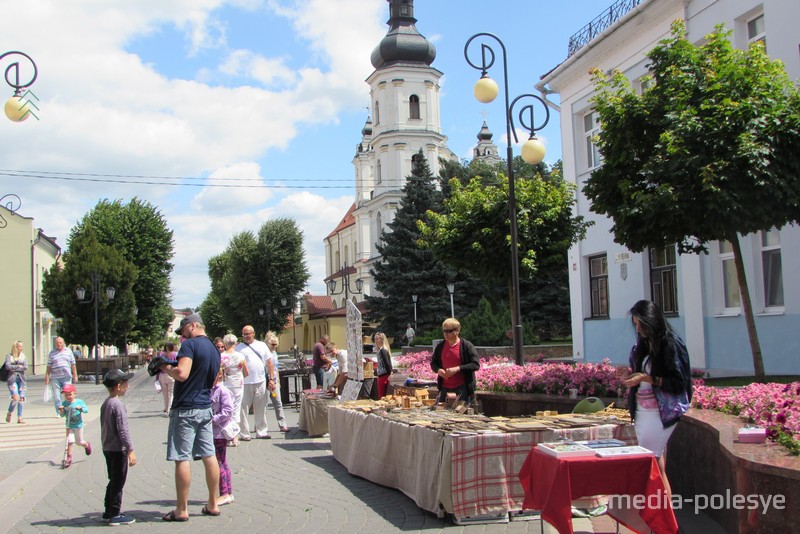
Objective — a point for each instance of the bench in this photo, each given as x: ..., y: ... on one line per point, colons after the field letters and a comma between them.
x: 88, y: 366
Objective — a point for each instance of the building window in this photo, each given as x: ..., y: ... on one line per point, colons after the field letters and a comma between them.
x: 730, y: 284
x: 664, y: 278
x: 378, y: 173
x: 598, y: 282
x: 413, y: 107
x: 771, y: 266
x: 756, y: 31
x: 591, y: 128
x: 377, y: 113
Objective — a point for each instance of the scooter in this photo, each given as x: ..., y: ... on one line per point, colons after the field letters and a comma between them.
x: 67, y: 461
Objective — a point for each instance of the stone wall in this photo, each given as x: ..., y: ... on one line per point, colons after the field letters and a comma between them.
x: 705, y: 458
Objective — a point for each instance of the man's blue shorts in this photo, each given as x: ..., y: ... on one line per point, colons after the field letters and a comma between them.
x: 190, y: 435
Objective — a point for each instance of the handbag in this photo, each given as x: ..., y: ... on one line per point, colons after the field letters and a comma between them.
x: 231, y: 430
x: 4, y: 373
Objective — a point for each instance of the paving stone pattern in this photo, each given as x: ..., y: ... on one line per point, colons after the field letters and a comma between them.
x: 290, y: 483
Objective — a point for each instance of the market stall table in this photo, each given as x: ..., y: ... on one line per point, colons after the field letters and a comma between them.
x: 551, y: 483
x: 314, y: 412
x: 471, y: 475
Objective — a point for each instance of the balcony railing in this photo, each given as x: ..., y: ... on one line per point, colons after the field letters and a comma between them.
x: 600, y: 23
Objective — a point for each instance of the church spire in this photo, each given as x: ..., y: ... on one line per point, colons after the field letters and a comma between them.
x: 402, y: 43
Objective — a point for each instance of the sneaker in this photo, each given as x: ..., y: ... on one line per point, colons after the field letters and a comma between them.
x: 121, y: 519
x: 88, y: 448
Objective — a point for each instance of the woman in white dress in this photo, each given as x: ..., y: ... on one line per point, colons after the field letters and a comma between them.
x: 235, y: 371
x: 660, y: 383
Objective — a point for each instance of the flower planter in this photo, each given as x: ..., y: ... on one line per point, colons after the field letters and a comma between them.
x: 706, y: 458
x: 510, y: 404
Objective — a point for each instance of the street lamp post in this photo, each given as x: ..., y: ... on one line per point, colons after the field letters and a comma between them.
x: 414, y: 298
x: 451, y: 288
x: 533, y: 152
x: 269, y: 311
x: 16, y: 108
x: 346, y: 289
x: 81, y: 293
x: 294, y: 329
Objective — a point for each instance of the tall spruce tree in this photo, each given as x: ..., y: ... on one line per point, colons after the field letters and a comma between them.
x: 407, y: 269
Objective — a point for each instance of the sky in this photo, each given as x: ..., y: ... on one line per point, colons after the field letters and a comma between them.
x: 225, y: 114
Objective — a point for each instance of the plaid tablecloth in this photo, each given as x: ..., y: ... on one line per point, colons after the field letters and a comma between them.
x: 483, y: 469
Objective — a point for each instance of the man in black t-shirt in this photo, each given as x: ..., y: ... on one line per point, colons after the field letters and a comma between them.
x: 190, y: 436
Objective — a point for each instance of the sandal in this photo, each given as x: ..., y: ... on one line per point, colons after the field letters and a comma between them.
x: 20, y: 421
x: 172, y: 517
x: 8, y: 417
x: 206, y: 511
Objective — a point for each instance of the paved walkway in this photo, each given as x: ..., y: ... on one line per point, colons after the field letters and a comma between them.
x: 289, y: 483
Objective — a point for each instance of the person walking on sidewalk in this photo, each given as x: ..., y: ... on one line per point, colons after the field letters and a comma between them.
x: 222, y: 408
x: 16, y: 365
x: 190, y: 435
x: 60, y: 370
x: 166, y: 382
x: 117, y: 446
x: 275, y: 393
x: 73, y: 409
x: 255, y: 384
x: 235, y: 372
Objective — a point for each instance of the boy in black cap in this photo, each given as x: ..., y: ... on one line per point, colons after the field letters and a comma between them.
x: 117, y: 445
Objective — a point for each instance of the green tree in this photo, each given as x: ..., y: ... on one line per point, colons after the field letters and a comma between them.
x: 472, y: 234
x: 407, y: 269
x: 140, y: 232
x: 255, y: 272
x: 86, y: 255
x: 212, y: 317
x: 708, y: 152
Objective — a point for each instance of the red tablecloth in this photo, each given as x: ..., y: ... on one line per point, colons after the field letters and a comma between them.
x: 551, y: 483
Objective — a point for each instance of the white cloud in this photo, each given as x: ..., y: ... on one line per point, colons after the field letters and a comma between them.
x: 106, y: 111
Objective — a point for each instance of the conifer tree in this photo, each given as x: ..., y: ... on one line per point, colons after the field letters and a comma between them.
x: 406, y: 268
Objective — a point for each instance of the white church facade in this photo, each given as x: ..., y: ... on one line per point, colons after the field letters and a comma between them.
x: 404, y: 119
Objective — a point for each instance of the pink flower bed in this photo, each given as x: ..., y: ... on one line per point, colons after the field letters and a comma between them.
x: 498, y: 373
x: 772, y: 406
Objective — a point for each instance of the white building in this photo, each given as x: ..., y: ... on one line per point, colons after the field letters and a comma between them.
x: 697, y: 291
x: 404, y: 100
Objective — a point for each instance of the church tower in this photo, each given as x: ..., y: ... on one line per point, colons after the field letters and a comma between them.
x: 404, y: 119
x: 486, y: 150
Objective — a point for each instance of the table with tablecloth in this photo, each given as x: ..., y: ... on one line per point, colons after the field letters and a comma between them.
x: 551, y: 483
x: 314, y: 413
x: 469, y: 476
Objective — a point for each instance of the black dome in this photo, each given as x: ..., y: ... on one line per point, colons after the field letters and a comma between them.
x: 403, y: 43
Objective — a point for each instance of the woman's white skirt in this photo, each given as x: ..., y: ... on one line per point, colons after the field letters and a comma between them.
x: 650, y: 431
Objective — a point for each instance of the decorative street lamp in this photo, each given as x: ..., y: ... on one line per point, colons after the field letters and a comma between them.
x: 533, y: 152
x: 414, y: 298
x: 346, y: 289
x: 81, y: 293
x: 294, y: 313
x: 266, y: 310
x: 451, y: 288
x: 16, y: 108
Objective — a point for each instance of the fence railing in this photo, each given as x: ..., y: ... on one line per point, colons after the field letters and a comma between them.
x: 605, y: 19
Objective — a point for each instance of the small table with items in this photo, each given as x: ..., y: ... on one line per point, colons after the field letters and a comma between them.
x: 314, y: 406
x: 551, y: 483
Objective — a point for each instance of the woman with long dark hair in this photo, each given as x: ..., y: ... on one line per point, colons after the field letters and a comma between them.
x: 660, y: 383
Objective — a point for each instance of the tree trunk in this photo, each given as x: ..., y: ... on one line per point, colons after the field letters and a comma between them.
x: 747, y: 309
